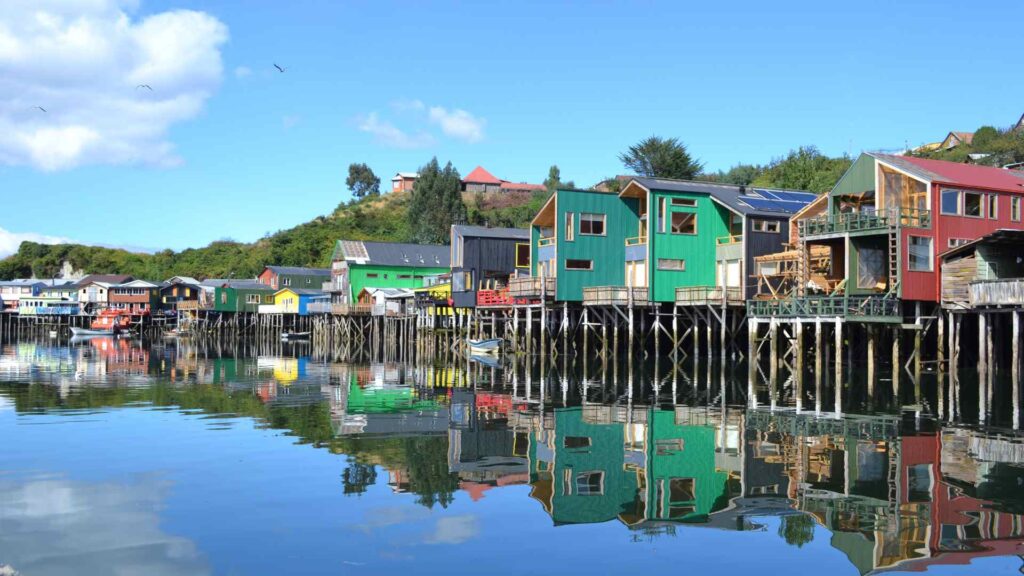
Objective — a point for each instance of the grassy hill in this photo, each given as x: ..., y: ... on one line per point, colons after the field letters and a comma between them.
x: 383, y: 218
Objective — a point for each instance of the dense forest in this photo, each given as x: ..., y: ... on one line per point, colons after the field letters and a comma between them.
x: 398, y: 216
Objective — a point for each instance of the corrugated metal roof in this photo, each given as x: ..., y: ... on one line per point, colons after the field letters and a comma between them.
x: 481, y: 176
x: 744, y: 200
x: 300, y: 270
x: 1001, y: 236
x: 394, y: 253
x: 486, y: 232
x: 966, y: 175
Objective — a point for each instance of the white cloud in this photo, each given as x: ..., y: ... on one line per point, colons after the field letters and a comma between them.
x: 9, y: 241
x: 454, y: 530
x: 82, y: 60
x: 387, y: 134
x: 243, y: 72
x: 458, y: 123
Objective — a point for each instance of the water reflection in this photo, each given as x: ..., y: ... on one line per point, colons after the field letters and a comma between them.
x: 650, y: 456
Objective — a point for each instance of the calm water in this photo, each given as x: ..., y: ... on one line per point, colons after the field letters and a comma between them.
x: 123, y: 458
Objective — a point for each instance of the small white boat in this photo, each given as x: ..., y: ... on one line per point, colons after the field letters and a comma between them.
x: 75, y: 331
x: 53, y: 333
x: 488, y: 346
x: 294, y: 335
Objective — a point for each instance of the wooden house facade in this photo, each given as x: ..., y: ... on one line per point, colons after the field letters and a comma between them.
x: 179, y: 293
x: 241, y: 296
x: 138, y: 297
x: 578, y: 240
x: 357, y: 264
x: 297, y: 277
x: 888, y: 220
x: 483, y: 260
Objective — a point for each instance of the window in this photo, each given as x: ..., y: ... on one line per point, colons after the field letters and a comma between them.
x: 405, y: 276
x: 661, y: 214
x: 950, y: 201
x: 592, y: 224
x: 1015, y: 209
x: 462, y: 281
x: 309, y: 280
x: 993, y: 206
x: 871, y: 266
x: 919, y: 254
x: 954, y: 242
x: 522, y: 255
x: 252, y: 298
x: 681, y: 490
x: 579, y: 264
x: 690, y: 202
x: 677, y: 264
x: 767, y: 268
x: 683, y: 223
x: 372, y: 275
x: 570, y: 230
x: 224, y: 297
x: 759, y: 225
x: 577, y: 442
x: 590, y: 483
x: 972, y: 204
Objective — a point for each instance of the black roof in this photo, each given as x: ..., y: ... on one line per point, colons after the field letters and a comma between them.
x: 487, y: 232
x: 300, y: 271
x: 394, y: 253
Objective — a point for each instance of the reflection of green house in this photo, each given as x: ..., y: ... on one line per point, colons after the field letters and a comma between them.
x: 578, y: 471
x: 681, y: 481
x: 387, y: 400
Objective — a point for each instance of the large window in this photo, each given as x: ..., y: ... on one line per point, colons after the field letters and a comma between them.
x: 661, y: 214
x: 973, y: 202
x: 683, y: 223
x: 462, y: 281
x: 522, y: 255
x: 577, y: 442
x: 871, y: 266
x: 570, y: 229
x: 591, y: 224
x: 760, y: 225
x: 950, y: 201
x: 572, y: 264
x: 252, y: 298
x: 676, y: 264
x: 919, y: 254
x: 1015, y: 208
x: 590, y: 483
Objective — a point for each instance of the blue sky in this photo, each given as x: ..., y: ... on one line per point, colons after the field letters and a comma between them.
x: 226, y: 147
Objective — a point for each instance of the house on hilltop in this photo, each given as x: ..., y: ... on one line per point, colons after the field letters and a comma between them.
x: 480, y: 180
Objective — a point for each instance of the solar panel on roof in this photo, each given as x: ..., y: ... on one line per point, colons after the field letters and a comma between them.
x: 795, y: 196
x: 772, y: 205
x: 766, y: 194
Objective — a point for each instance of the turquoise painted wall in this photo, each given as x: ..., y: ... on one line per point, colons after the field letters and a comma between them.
x: 697, y: 250
x: 607, y: 252
x: 696, y: 460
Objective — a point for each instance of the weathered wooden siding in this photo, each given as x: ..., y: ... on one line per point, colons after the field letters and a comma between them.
x: 956, y: 277
x: 607, y: 252
x: 697, y: 250
x: 760, y: 244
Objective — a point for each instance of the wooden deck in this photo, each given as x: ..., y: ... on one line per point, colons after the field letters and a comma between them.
x: 709, y: 296
x: 532, y: 288
x: 615, y: 296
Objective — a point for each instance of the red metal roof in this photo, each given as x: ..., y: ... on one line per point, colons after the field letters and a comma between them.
x: 481, y: 176
x: 972, y: 175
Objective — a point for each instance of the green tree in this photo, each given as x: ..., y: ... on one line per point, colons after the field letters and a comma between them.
x: 797, y: 529
x: 362, y: 181
x: 738, y: 175
x: 554, y: 180
x: 436, y: 203
x: 661, y: 158
x: 804, y: 169
x: 984, y: 137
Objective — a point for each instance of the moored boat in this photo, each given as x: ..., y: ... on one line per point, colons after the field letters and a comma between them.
x: 294, y: 335
x: 487, y: 346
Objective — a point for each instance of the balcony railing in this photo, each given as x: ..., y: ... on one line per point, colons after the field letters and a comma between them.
x: 186, y: 305
x: 499, y: 298
x: 549, y: 241
x: 841, y: 222
x: 532, y: 287
x: 318, y: 307
x: 868, y: 308
x: 351, y: 309
x: 636, y: 241
x: 615, y: 296
x: 1008, y: 292
x: 730, y: 239
x: 709, y: 295
x: 70, y: 310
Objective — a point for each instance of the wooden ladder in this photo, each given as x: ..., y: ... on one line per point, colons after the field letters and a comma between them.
x: 894, y: 262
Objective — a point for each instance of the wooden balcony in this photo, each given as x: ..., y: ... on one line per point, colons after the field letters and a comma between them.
x: 500, y: 298
x: 730, y: 239
x: 709, y: 296
x: 862, y: 308
x: 615, y: 296
x: 863, y: 222
x: 352, y: 309
x: 636, y: 241
x: 532, y: 288
x: 187, y: 305
x: 1008, y: 292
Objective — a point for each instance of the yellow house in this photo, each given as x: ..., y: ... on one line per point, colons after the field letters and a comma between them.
x: 440, y: 296
x: 294, y: 301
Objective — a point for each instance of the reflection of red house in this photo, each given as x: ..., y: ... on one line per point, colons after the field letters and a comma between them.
x: 267, y: 391
x: 120, y: 356
x: 962, y: 527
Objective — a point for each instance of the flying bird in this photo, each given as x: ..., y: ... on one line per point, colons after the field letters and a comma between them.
x: 146, y: 86
x: 279, y: 69
x: 41, y: 108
